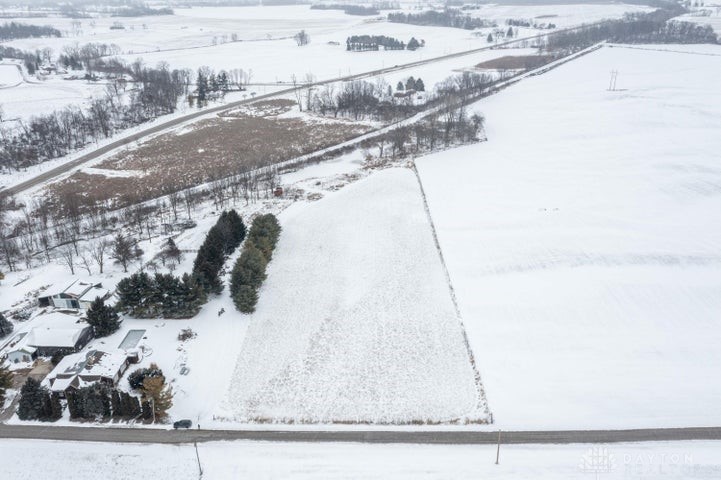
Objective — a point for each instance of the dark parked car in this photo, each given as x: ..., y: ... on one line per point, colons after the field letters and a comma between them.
x: 182, y: 424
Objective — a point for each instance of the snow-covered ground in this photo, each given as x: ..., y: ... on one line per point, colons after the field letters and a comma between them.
x: 31, y: 459
x: 197, y: 27
x: 714, y: 19
x: 187, y: 38
x: 23, y: 99
x: 583, y: 243
x: 355, y: 322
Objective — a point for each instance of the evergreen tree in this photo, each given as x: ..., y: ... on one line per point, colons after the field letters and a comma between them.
x: 413, y: 44
x: 147, y: 411
x: 489, y: 39
x: 95, y: 400
x: 135, y: 406
x: 171, y: 252
x: 74, y: 405
x: 102, y: 318
x: 245, y: 299
x: 202, y: 85
x: 116, y: 404
x: 400, y: 86
x: 34, y: 401
x: 6, y: 381
x: 6, y: 327
x: 420, y: 86
x: 410, y: 83
x: 56, y: 408
x: 248, y: 270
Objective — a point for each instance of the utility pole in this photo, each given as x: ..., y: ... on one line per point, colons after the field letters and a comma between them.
x: 612, y: 83
x: 498, y: 448
x: 197, y: 456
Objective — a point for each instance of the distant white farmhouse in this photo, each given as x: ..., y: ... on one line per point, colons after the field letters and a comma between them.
x: 78, y: 294
x: 82, y: 369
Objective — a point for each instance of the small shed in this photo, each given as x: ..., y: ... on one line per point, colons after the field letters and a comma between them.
x: 24, y: 353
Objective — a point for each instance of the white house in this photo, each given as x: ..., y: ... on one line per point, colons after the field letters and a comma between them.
x: 78, y: 294
x: 84, y: 368
x: 51, y: 333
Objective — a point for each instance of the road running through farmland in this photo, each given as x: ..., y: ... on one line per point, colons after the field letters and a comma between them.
x: 122, y: 142
x: 460, y: 437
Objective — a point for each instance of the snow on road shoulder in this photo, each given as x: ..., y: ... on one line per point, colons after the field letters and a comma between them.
x: 355, y: 322
x: 274, y: 460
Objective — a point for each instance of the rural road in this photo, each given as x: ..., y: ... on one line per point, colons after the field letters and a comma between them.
x: 68, y: 166
x: 138, y: 435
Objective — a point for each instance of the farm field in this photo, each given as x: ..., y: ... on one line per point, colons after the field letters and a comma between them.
x: 355, y: 322
x: 582, y: 243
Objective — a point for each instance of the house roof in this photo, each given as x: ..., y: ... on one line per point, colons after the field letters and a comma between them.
x: 79, y: 288
x: 23, y: 349
x: 94, y: 363
x: 93, y: 293
x: 55, y: 337
x: 55, y: 329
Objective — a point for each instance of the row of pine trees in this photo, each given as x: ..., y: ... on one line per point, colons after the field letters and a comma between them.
x: 249, y: 270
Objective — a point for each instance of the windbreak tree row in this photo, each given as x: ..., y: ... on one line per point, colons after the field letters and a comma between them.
x: 249, y: 270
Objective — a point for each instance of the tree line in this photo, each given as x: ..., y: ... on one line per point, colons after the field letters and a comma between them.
x: 248, y: 272
x: 520, y: 22
x: 15, y: 30
x: 167, y: 296
x: 347, y: 9
x: 639, y: 27
x: 449, y: 17
x: 155, y: 92
x: 361, y: 43
x: 99, y: 400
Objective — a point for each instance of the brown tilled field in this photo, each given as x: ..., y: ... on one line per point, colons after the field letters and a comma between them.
x: 205, y: 151
x: 520, y: 62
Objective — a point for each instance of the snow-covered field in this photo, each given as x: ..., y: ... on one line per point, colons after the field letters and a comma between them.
x: 31, y: 459
x: 24, y: 99
x: 583, y: 242
x: 355, y: 322
x: 193, y: 37
x: 714, y: 19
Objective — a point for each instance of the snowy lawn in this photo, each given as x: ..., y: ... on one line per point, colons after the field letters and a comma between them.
x: 274, y: 460
x: 583, y: 242
x: 355, y: 322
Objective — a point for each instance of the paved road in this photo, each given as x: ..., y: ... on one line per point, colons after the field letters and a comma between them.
x: 138, y: 435
x: 66, y: 167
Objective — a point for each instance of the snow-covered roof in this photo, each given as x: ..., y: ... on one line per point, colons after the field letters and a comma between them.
x: 93, y: 293
x: 55, y: 329
x: 61, y: 384
x: 78, y: 288
x: 55, y: 337
x: 22, y: 349
x: 90, y: 364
